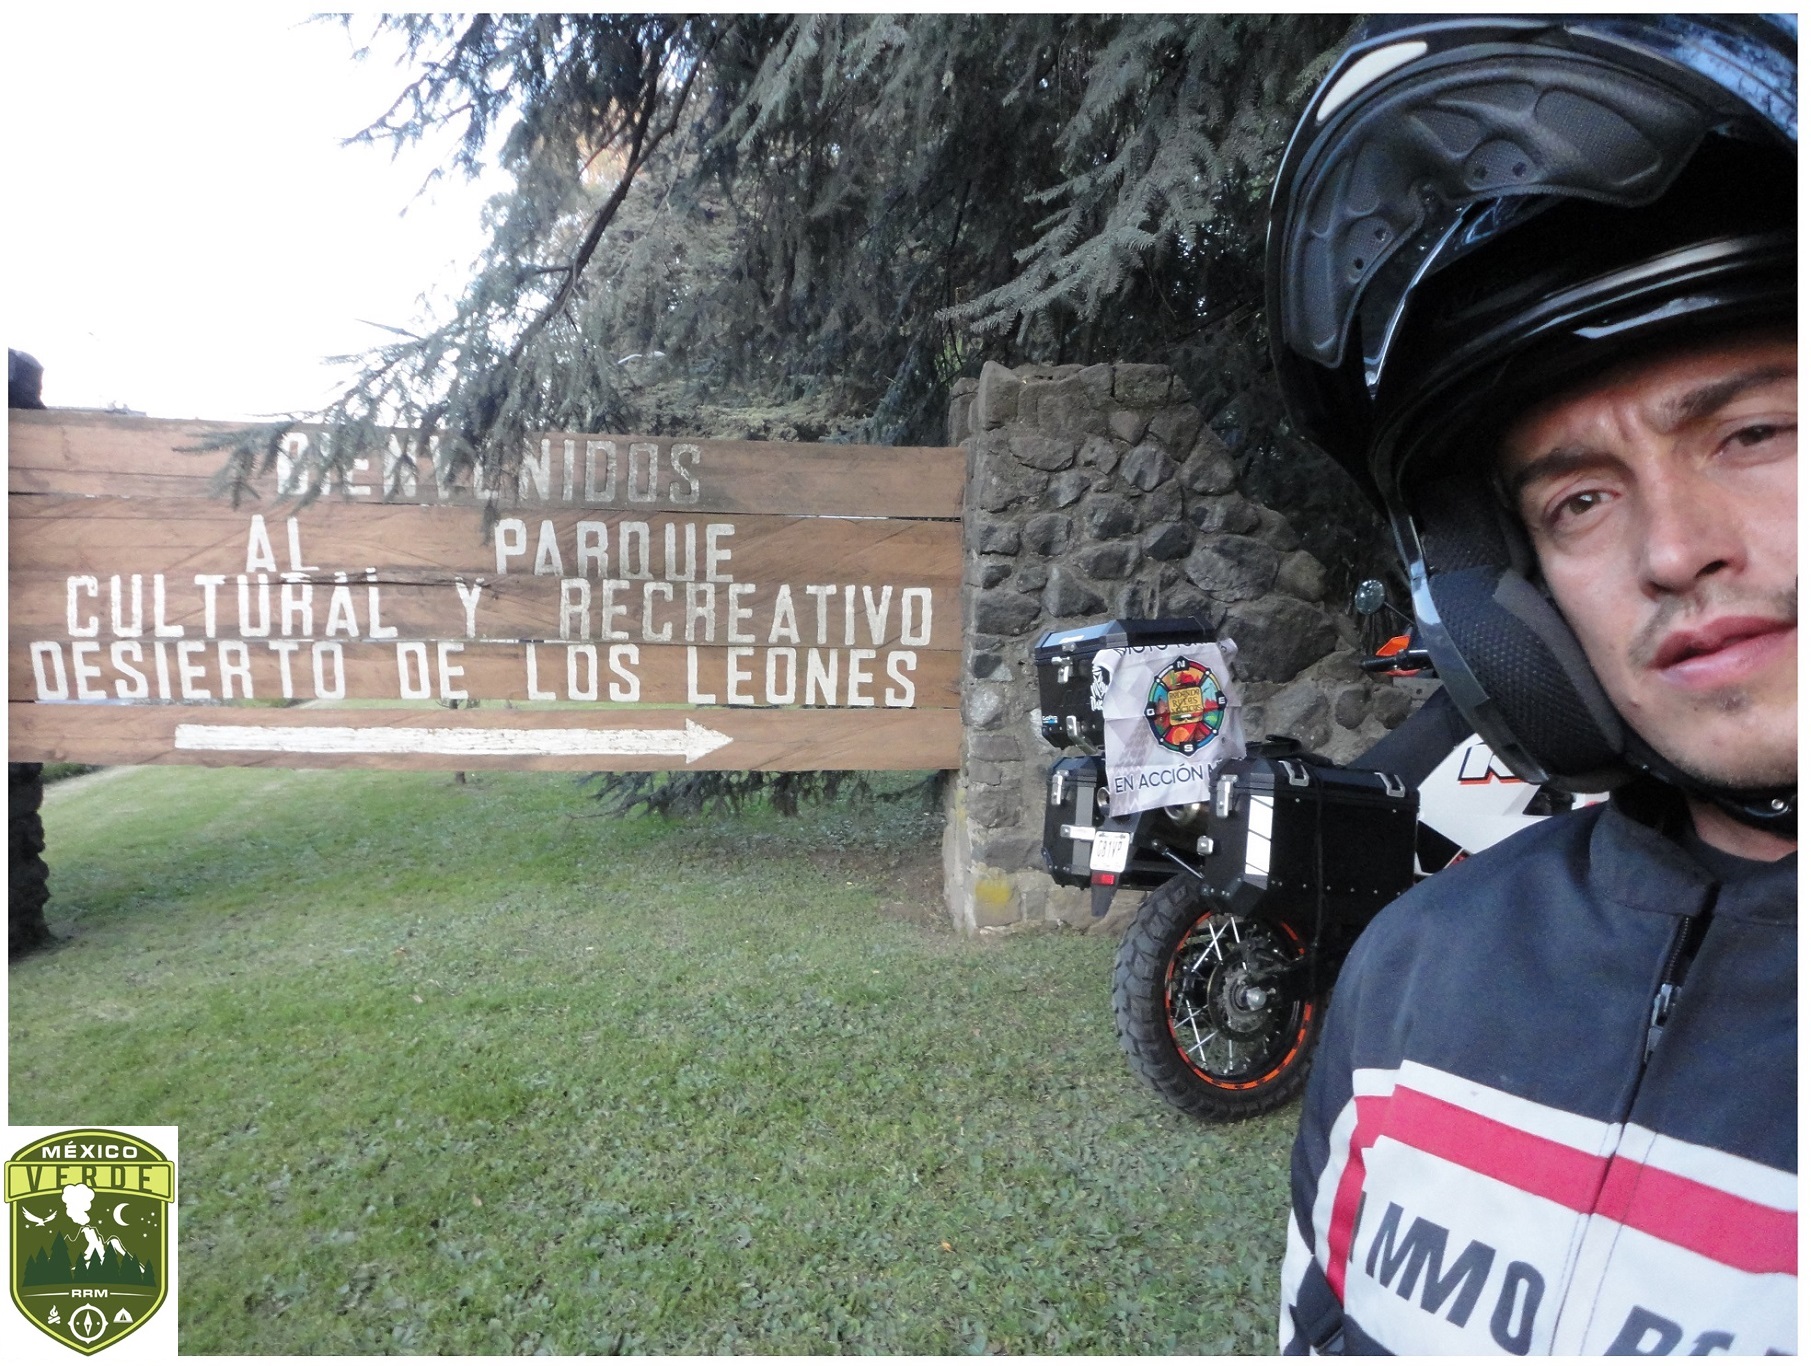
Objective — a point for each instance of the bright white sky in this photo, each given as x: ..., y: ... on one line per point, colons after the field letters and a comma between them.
x: 183, y: 233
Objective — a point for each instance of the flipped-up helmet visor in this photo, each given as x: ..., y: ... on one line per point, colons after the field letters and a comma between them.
x: 1436, y: 139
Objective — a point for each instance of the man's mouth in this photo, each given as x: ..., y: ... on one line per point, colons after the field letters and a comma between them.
x: 1724, y: 652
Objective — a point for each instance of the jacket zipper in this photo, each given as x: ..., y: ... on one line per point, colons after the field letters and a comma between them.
x: 1672, y: 979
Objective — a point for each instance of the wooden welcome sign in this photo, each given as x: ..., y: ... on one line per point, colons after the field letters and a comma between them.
x: 638, y: 603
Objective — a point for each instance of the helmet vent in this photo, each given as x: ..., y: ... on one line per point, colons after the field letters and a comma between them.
x: 1410, y: 156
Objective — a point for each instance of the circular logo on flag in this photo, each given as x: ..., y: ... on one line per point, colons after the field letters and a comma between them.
x: 1186, y: 706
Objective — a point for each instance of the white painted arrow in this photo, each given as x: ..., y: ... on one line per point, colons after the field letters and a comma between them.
x: 694, y: 742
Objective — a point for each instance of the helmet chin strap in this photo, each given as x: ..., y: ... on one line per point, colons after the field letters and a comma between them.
x: 1772, y: 809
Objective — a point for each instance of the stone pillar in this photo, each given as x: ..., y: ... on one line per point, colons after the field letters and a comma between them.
x: 1098, y: 492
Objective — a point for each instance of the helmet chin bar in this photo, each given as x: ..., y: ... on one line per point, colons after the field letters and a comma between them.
x: 1772, y: 809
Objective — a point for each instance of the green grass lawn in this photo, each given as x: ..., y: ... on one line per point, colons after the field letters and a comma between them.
x: 472, y: 1069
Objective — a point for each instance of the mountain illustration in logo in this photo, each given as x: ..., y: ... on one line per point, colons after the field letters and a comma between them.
x: 62, y: 1264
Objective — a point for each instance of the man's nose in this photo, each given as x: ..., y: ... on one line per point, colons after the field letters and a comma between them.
x: 1692, y: 531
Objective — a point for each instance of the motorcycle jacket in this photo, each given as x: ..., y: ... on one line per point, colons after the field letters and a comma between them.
x: 1554, y: 1108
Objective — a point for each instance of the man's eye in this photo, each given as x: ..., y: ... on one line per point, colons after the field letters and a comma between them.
x: 1578, y: 504
x: 1760, y: 433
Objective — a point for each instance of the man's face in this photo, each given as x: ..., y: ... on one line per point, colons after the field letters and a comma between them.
x: 1663, y: 505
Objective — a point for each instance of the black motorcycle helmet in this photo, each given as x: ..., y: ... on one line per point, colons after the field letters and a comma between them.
x: 1474, y: 212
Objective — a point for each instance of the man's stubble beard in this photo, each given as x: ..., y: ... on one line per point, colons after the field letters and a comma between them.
x: 1768, y: 772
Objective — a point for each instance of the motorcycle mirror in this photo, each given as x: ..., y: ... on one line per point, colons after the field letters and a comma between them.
x: 1368, y: 598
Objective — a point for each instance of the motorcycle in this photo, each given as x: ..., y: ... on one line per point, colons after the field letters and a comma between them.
x: 1257, y: 895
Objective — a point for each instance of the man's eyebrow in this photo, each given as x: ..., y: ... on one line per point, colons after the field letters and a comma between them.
x: 1555, y: 464
x: 1708, y: 399
x: 1692, y: 406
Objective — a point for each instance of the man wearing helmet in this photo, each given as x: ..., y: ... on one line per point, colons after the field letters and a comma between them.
x: 1533, y: 281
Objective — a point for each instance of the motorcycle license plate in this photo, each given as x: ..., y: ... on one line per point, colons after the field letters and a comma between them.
x: 1111, y: 850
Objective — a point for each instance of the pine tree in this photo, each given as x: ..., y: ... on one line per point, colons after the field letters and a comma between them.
x: 806, y: 227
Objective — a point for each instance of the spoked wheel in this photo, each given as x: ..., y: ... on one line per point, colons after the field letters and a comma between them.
x: 1198, y: 1013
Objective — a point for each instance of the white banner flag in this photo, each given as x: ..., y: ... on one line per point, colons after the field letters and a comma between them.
x: 1171, y: 718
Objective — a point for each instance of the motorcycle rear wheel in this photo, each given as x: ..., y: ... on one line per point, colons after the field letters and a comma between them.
x: 1206, y: 1037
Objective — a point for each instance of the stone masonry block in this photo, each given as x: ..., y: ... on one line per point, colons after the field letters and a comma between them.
x: 1069, y: 409
x: 1001, y: 746
x: 1068, y: 596
x: 990, y: 666
x: 993, y: 536
x: 1146, y: 466
x: 992, y: 807
x: 1167, y: 541
x: 1228, y: 512
x: 1101, y: 453
x: 1175, y: 427
x: 1210, y: 467
x: 1000, y: 481
x: 1002, y: 613
x: 995, y: 897
x: 961, y: 415
x: 1392, y: 706
x: 1301, y: 576
x: 1301, y: 710
x: 1112, y: 560
x: 1186, y: 600
x: 1048, y: 534
x: 989, y: 773
x: 1342, y: 666
x: 1031, y: 577
x: 1128, y: 425
x: 1071, y: 906
x: 1133, y: 600
x: 1066, y: 489
x: 1105, y: 516
x: 1161, y: 504
x: 1096, y: 384
x: 1013, y: 851
x: 997, y: 396
x: 1141, y: 386
x: 1278, y: 636
x: 984, y: 706
x: 1233, y: 568
x: 1042, y: 452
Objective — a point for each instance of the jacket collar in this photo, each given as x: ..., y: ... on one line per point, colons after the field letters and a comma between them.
x: 1638, y: 861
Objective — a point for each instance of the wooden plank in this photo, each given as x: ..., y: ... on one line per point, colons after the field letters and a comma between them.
x: 61, y: 451
x: 411, y: 543
x: 515, y: 608
x: 198, y: 669
x: 586, y: 740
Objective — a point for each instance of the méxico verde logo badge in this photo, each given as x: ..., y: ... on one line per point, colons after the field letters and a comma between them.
x: 90, y: 1234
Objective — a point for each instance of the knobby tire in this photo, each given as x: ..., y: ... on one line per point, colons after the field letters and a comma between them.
x: 1155, y: 988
